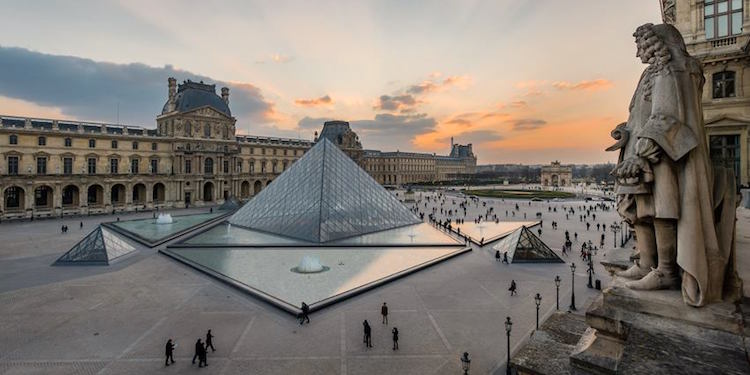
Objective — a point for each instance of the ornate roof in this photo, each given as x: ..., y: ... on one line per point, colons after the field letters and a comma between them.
x: 191, y: 95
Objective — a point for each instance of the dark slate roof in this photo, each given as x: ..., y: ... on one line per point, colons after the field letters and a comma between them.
x: 192, y: 95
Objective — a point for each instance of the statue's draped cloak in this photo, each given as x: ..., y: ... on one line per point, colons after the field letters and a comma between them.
x: 683, y: 182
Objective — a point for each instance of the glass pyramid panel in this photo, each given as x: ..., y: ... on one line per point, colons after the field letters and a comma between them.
x: 322, y: 197
x: 523, y: 246
x: 101, y: 246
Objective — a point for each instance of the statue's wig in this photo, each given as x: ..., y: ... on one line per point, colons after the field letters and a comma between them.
x: 652, y: 44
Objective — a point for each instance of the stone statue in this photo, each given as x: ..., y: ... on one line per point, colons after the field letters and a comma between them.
x: 681, y: 209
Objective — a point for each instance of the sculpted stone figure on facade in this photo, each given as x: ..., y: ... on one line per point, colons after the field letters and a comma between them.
x: 682, y: 209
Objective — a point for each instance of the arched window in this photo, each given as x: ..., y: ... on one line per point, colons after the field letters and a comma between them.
x: 208, y: 166
x: 723, y: 85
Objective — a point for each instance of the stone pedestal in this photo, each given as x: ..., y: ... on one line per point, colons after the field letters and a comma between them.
x: 634, y: 332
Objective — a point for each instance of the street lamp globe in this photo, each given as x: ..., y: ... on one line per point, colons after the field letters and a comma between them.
x: 572, y: 267
x: 557, y: 281
x: 508, y: 325
x: 538, y: 299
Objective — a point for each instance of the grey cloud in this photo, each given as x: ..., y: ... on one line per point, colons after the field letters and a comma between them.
x: 528, y: 124
x: 396, y: 103
x: 91, y: 90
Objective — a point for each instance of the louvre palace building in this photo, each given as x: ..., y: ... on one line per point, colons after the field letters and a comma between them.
x: 55, y: 167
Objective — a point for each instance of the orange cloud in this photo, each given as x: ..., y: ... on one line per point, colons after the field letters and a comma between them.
x: 594, y: 85
x: 315, y: 102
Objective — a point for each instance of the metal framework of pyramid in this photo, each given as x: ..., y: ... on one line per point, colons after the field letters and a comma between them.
x: 324, y: 196
x: 523, y: 246
x: 101, y: 246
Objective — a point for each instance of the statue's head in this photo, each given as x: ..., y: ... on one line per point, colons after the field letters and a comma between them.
x: 658, y: 44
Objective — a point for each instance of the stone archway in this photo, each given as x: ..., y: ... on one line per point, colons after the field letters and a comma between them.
x: 139, y: 193
x: 208, y: 192
x: 158, y: 193
x: 555, y: 180
x: 43, y: 197
x: 71, y: 196
x: 257, y: 187
x: 268, y: 182
x: 95, y: 195
x: 14, y: 198
x: 245, y: 190
x: 117, y: 195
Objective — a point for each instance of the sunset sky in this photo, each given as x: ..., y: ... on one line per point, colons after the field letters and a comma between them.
x: 524, y: 81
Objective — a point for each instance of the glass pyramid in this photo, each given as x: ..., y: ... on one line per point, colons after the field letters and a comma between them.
x: 99, y: 247
x: 523, y: 246
x: 322, y: 197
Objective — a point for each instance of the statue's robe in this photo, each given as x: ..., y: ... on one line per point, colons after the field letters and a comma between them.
x: 680, y: 185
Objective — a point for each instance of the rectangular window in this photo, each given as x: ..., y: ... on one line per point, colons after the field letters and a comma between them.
x: 285, y: 151
x: 41, y: 165
x: 188, y: 166
x: 68, y: 142
x: 252, y: 167
x: 135, y: 145
x: 725, y: 151
x: 134, y: 166
x: 723, y: 85
x: 13, y: 165
x: 13, y: 139
x: 92, y: 165
x: 207, y: 131
x: 154, y: 166
x: 92, y: 143
x: 114, y: 144
x: 42, y: 141
x: 154, y: 146
x: 239, y: 166
x: 226, y: 166
x: 252, y: 150
x: 113, y: 166
x: 720, y: 20
x: 67, y: 165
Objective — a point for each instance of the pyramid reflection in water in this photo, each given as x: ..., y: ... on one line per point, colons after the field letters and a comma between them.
x: 324, y: 196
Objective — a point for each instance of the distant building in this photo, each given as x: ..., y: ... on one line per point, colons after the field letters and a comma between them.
x: 718, y: 34
x: 342, y: 135
x: 398, y: 168
x: 556, y: 175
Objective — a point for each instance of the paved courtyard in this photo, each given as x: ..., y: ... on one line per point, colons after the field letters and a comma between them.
x: 116, y: 320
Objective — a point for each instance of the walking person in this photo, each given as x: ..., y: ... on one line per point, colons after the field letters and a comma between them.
x: 384, y: 312
x: 368, y: 334
x: 394, y: 331
x: 304, y: 316
x: 210, y: 341
x: 169, y: 352
x: 505, y: 257
x: 513, y: 288
x: 81, y: 225
x: 497, y: 255
x: 198, y: 350
x: 202, y: 357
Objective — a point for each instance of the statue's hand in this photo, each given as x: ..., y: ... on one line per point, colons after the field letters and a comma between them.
x: 648, y: 149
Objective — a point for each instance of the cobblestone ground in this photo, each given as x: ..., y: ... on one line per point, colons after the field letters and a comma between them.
x: 116, y: 320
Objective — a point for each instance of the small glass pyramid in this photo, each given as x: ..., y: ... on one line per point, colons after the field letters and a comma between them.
x: 523, y: 246
x: 101, y: 246
x: 322, y: 197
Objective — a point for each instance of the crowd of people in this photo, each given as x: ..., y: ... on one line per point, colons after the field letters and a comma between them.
x: 201, y: 350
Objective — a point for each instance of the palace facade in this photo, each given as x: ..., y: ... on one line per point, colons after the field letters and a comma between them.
x: 53, y: 168
x: 717, y: 32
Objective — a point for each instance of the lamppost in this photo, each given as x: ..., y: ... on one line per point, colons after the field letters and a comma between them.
x: 465, y: 363
x: 557, y: 292
x: 508, y: 327
x: 573, y: 289
x: 538, y: 300
x: 615, y: 228
x: 590, y: 271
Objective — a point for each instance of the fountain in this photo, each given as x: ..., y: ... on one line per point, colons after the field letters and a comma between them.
x: 310, y: 264
x: 228, y: 234
x: 164, y: 219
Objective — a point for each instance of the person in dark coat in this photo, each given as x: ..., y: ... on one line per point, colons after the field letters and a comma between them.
x: 169, y: 351
x: 304, y: 317
x: 384, y: 312
x: 394, y: 331
x: 513, y: 288
x: 198, y: 351
x: 202, y: 357
x: 210, y: 341
x: 368, y: 334
x: 497, y: 255
x: 505, y: 257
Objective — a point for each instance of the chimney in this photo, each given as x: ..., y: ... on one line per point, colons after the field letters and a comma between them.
x: 172, y: 84
x: 225, y: 94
